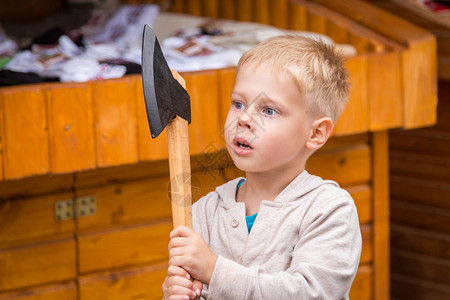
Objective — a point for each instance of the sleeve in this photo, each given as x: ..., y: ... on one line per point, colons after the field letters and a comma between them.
x: 324, y: 261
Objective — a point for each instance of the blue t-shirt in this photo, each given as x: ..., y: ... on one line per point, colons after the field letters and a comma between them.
x: 250, y: 219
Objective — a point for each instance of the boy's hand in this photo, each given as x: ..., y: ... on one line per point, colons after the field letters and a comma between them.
x: 178, y: 286
x: 189, y: 250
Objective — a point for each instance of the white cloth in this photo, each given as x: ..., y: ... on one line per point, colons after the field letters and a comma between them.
x: 305, y: 244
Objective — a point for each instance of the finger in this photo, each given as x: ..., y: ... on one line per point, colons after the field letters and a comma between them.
x: 178, y: 251
x: 179, y: 281
x: 181, y: 290
x: 177, y: 271
x: 178, y: 297
x: 181, y: 231
x: 177, y: 242
x: 197, y: 286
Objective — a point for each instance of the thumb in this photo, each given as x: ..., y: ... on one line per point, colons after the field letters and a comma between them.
x: 197, y: 287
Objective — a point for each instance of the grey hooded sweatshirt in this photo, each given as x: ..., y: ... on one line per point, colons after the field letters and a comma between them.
x: 305, y: 244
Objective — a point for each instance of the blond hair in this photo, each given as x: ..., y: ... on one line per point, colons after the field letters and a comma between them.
x: 315, y: 66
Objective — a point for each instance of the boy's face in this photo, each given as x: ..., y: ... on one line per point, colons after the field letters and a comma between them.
x: 267, y: 125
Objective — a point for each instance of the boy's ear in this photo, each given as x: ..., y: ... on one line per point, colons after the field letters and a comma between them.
x: 320, y: 132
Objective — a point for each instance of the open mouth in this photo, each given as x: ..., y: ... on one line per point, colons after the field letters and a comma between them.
x: 242, y: 144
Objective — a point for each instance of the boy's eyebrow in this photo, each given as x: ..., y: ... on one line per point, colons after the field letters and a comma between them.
x: 261, y: 97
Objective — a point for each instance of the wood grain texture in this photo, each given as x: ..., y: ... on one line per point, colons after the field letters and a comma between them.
x: 71, y: 128
x: 179, y: 168
x: 125, y: 246
x: 127, y: 202
x: 226, y: 78
x: 354, y: 117
x: 115, y: 121
x: 133, y: 283
x: 363, y: 287
x: 204, y: 130
x: 385, y: 95
x: 380, y: 160
x: 39, y: 263
x: 22, y: 219
x: 59, y: 291
x: 278, y: 13
x: 25, y: 133
x: 149, y: 149
x: 419, y: 64
x: 297, y: 17
x: 346, y: 166
x: 362, y: 195
x: 2, y: 138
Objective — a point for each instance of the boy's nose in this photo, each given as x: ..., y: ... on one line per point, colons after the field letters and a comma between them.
x: 245, y: 120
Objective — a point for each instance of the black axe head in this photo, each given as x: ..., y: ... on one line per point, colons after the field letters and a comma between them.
x: 165, y: 98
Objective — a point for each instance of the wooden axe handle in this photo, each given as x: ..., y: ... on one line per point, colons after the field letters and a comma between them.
x: 180, y: 168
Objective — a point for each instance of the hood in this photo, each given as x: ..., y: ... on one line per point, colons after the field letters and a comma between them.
x: 300, y: 186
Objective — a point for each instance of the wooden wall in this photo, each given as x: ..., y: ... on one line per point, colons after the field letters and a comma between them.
x: 121, y: 251
x: 65, y: 141
x: 420, y: 208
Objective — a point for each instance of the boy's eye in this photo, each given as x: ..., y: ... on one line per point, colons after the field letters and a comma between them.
x: 238, y: 105
x: 270, y: 111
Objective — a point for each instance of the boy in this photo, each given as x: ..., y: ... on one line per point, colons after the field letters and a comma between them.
x: 305, y: 242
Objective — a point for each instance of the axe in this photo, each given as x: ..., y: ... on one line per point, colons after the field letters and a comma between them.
x: 168, y: 105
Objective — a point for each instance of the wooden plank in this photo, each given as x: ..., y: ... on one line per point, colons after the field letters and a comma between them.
x: 105, y: 176
x: 316, y: 22
x: 360, y: 43
x: 204, y: 130
x: 380, y: 184
x: 351, y: 24
x: 419, y: 64
x: 25, y: 128
x: 406, y: 287
x: 420, y: 191
x: 297, y: 17
x: 420, y: 241
x: 115, y: 121
x: 370, y: 16
x: 385, y: 105
x: 18, y: 216
x: 347, y: 166
x: 211, y: 8
x: 34, y: 186
x: 421, y: 266
x: 367, y: 244
x: 149, y: 148
x: 420, y: 166
x: 193, y: 7
x: 261, y: 11
x: 67, y: 290
x: 278, y: 13
x: 71, y: 128
x: 52, y: 292
x: 126, y: 245
x: 38, y: 263
x: 136, y: 283
x: 177, y: 6
x: 362, y: 195
x: 338, y: 33
x: 245, y: 11
x: 420, y: 216
x: 354, y: 117
x: 2, y: 138
x: 227, y: 78
x: 362, y: 287
x: 227, y: 9
x: 422, y: 141
x: 143, y: 200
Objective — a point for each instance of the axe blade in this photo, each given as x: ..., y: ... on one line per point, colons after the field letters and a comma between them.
x: 165, y: 98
